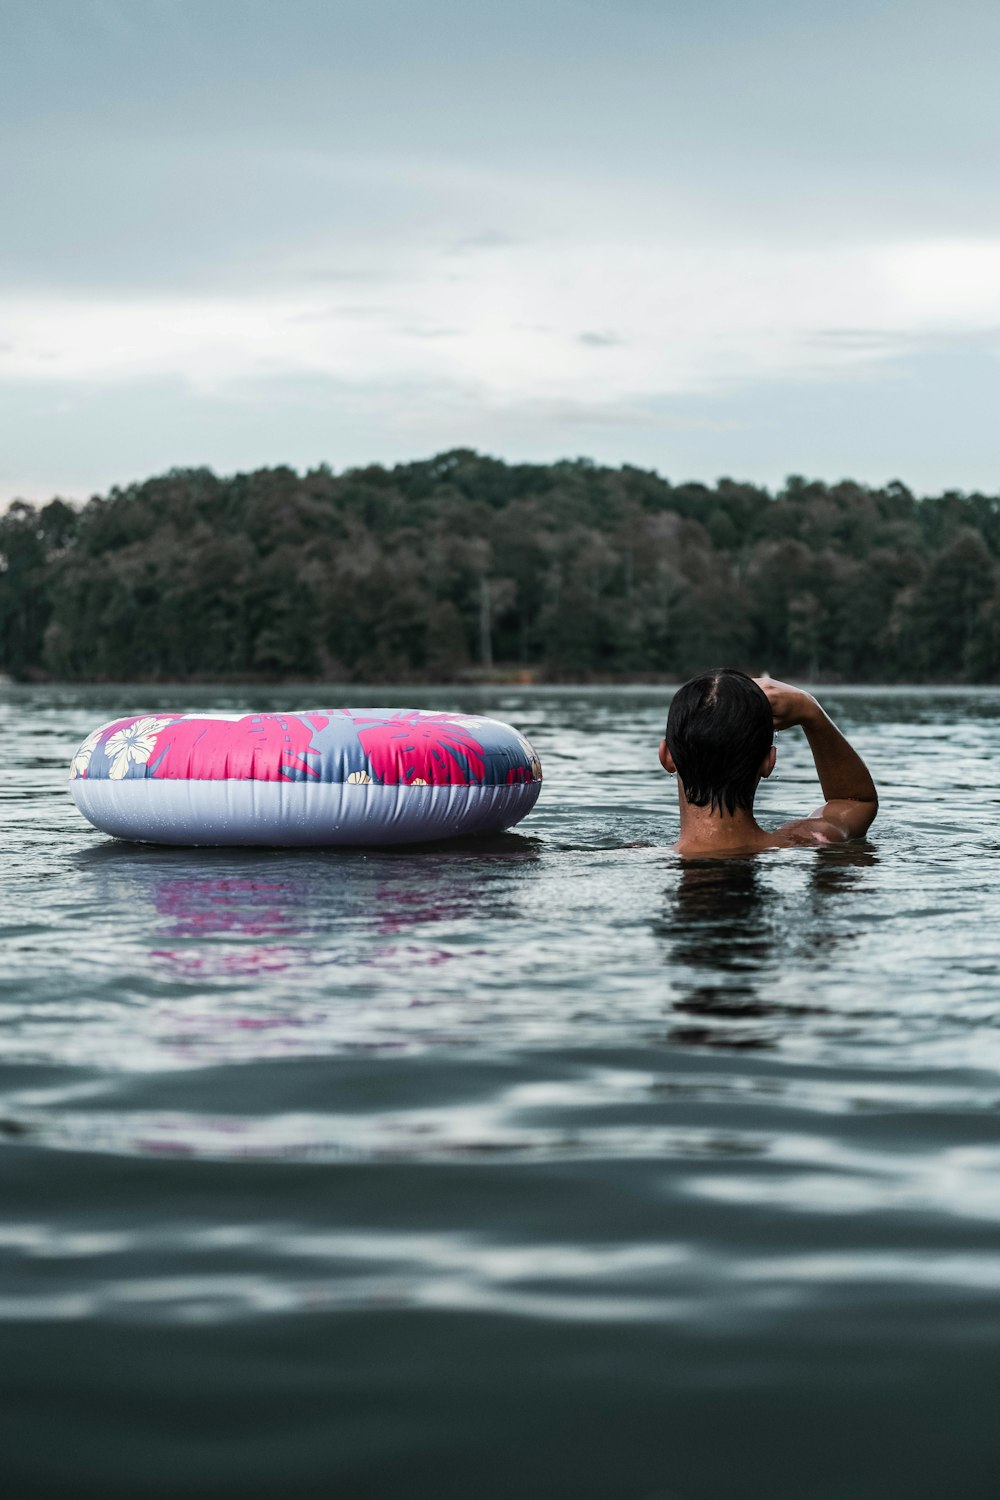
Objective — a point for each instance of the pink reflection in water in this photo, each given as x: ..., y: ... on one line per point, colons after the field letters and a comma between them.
x: 229, y: 908
x: 200, y: 908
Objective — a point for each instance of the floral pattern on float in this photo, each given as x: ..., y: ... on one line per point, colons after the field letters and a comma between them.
x: 421, y: 750
x: 358, y: 747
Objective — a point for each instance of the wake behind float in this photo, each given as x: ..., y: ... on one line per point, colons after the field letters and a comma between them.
x: 329, y: 776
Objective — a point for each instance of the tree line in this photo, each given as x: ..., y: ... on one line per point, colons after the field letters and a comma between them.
x: 464, y: 564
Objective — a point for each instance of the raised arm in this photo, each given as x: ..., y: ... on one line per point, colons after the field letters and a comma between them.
x: 851, y: 798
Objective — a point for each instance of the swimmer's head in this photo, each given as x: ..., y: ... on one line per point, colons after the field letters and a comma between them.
x: 719, y: 740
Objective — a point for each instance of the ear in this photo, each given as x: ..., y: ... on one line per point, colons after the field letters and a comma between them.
x: 767, y: 764
x: 666, y: 759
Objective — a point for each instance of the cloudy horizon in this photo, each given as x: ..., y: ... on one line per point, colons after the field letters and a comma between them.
x: 753, y: 240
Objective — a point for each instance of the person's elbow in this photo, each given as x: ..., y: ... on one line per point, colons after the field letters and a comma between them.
x: 864, y: 814
x: 853, y: 816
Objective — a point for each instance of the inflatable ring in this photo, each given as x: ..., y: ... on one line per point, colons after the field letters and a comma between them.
x: 329, y: 776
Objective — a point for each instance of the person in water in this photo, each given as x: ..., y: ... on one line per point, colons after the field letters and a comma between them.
x: 720, y: 743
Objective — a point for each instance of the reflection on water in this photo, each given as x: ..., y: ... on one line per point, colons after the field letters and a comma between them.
x: 405, y: 1151
x: 199, y: 910
x: 296, y: 945
x: 726, y: 924
x: 716, y: 919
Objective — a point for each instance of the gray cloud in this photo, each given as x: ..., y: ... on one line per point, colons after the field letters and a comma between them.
x: 58, y: 435
x: 906, y: 341
x: 200, y: 149
x: 486, y: 239
x: 594, y: 340
x: 190, y: 144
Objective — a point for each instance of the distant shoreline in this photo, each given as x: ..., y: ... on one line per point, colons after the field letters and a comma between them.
x: 463, y: 569
x: 536, y: 683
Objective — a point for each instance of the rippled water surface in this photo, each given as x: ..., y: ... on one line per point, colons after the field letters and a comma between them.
x: 542, y: 1165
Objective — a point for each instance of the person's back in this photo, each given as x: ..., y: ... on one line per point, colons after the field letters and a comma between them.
x: 720, y: 744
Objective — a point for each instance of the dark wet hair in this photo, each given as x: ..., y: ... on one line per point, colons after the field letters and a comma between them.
x: 719, y: 729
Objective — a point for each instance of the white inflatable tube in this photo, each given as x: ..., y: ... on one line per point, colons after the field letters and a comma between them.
x: 329, y: 776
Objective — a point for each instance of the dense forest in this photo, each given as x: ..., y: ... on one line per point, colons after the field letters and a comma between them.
x: 464, y: 565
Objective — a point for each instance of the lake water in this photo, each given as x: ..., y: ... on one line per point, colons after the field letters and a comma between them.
x: 539, y: 1167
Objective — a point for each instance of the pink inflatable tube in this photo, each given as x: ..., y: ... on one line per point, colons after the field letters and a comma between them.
x: 329, y: 776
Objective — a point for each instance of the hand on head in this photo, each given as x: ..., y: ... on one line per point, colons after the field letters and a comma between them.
x: 789, y: 705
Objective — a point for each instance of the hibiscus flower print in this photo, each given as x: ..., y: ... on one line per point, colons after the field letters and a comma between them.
x: 81, y: 759
x: 132, y: 746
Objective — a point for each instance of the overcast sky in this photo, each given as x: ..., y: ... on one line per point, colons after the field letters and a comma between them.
x: 746, y: 237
